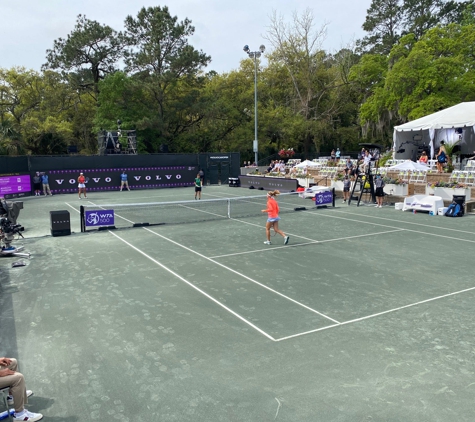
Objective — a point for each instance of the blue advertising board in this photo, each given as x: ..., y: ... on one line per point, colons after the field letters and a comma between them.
x: 99, y: 218
x: 324, y: 198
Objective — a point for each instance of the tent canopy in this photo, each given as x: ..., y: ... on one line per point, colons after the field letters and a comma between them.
x: 307, y: 163
x: 409, y: 165
x: 454, y: 124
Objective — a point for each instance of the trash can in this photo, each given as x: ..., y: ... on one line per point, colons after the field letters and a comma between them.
x: 60, y: 223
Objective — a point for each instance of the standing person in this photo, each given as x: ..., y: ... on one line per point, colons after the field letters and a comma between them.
x: 338, y: 155
x: 379, y: 185
x: 273, y: 218
x: 441, y: 157
x: 37, y: 184
x: 198, y: 186
x: 10, y: 377
x: 332, y: 155
x: 123, y: 181
x: 346, y: 188
x: 82, y: 185
x: 45, y: 181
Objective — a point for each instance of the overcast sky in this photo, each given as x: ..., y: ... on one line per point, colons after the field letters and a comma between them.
x: 222, y: 27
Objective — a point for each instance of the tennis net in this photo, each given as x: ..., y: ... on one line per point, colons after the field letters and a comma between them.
x: 179, y: 212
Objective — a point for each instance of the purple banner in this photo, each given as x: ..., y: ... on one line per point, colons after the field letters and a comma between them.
x: 65, y: 181
x: 14, y: 184
x: 99, y: 218
x: 323, y: 198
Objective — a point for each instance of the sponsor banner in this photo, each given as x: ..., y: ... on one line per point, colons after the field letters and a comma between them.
x: 269, y: 183
x: 66, y: 181
x: 14, y: 185
x: 219, y: 157
x: 323, y: 198
x: 99, y: 218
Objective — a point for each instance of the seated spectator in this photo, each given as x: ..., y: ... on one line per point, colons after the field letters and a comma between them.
x: 9, y: 377
x: 423, y: 158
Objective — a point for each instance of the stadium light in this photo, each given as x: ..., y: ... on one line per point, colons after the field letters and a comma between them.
x: 255, y: 55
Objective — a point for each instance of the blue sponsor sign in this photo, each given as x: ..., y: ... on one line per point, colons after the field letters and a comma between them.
x: 323, y: 198
x: 98, y: 218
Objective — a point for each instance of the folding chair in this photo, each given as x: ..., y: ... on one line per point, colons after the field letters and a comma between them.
x: 4, y: 392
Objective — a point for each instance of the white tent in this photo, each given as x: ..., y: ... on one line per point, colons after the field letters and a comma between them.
x: 409, y: 165
x: 308, y: 164
x: 453, y: 124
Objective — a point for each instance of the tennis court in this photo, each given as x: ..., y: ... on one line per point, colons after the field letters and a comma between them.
x: 366, y: 315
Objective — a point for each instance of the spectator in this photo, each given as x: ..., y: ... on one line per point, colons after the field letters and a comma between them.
x: 332, y: 155
x: 337, y: 155
x: 37, y: 184
x: 441, y: 157
x: 348, y: 166
x: 45, y: 181
x: 10, y: 377
x: 423, y: 158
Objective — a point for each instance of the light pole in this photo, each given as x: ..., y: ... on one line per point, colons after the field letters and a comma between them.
x: 255, y: 55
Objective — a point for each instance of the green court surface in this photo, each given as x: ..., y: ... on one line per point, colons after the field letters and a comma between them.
x: 366, y: 315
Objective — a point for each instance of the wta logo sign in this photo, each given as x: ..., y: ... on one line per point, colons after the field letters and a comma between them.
x: 323, y: 198
x: 99, y: 218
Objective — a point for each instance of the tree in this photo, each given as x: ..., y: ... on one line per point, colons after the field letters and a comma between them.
x: 35, y: 111
x: 167, y: 70
x: 89, y: 52
x: 383, y: 23
x: 297, y: 48
x: 420, y: 16
x: 428, y: 75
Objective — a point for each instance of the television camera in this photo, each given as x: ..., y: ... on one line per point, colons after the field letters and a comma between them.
x: 8, y: 229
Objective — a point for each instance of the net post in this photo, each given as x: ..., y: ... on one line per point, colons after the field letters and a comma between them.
x: 229, y: 208
x: 333, y: 197
x: 81, y: 214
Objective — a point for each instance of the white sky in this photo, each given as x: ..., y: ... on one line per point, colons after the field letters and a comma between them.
x: 222, y: 27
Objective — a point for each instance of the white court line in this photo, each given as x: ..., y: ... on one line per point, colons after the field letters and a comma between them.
x: 377, y: 314
x: 404, y: 222
x: 387, y: 226
x: 194, y: 287
x: 242, y: 275
x: 307, y: 243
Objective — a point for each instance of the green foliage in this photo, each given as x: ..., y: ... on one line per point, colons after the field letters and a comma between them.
x: 90, y: 52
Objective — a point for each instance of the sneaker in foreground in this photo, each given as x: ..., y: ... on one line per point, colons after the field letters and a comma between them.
x: 286, y: 240
x: 27, y: 416
x: 11, y: 402
x: 343, y: 201
x: 380, y: 206
x: 267, y: 242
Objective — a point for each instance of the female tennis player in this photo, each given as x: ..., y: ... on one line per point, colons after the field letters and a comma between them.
x: 273, y: 218
x: 82, y: 185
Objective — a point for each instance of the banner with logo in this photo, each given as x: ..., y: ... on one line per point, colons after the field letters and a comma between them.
x: 324, y: 198
x: 99, y: 218
x: 65, y: 181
